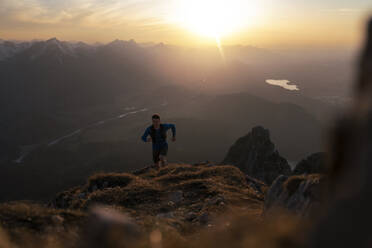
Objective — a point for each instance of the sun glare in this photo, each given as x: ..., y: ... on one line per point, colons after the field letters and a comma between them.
x: 215, y: 18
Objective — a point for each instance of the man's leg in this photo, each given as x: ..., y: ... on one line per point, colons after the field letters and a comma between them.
x: 163, y: 160
x: 163, y: 155
x: 156, y: 158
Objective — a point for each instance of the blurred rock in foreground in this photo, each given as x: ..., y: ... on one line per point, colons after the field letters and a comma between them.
x: 349, y: 216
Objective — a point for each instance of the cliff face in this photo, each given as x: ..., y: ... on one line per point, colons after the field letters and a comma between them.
x: 257, y: 156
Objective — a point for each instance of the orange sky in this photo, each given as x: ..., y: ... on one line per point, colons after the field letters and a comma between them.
x: 276, y: 23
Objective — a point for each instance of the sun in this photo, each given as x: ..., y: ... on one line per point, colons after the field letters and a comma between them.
x: 215, y: 18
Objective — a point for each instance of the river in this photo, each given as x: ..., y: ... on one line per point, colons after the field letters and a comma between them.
x: 26, y: 150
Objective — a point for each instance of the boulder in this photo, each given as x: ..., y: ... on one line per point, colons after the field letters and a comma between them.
x: 299, y: 194
x: 256, y: 156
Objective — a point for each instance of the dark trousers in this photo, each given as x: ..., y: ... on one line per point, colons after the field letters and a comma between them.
x: 157, y: 152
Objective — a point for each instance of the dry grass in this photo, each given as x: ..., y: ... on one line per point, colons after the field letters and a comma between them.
x: 151, y: 187
x: 32, y: 225
x: 35, y: 217
x: 294, y: 182
x: 232, y: 207
x: 237, y: 229
x: 226, y: 174
x: 109, y: 180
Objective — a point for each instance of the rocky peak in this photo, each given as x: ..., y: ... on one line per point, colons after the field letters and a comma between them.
x: 260, y: 131
x: 257, y: 156
x: 52, y: 48
x: 53, y: 40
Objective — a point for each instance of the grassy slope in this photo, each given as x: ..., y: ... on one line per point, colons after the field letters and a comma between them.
x: 215, y: 191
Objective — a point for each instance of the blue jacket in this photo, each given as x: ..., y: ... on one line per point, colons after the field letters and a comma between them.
x: 159, y: 141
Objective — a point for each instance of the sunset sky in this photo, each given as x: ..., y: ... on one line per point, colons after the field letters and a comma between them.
x: 263, y: 23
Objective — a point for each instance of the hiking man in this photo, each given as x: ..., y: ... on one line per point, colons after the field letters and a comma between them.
x: 158, y: 137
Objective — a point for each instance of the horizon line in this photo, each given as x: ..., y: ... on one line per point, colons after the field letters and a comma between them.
x: 301, y: 46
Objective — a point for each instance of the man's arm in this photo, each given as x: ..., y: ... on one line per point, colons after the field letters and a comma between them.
x: 144, y: 136
x: 173, y: 127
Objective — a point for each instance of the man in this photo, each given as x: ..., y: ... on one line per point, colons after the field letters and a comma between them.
x: 158, y: 137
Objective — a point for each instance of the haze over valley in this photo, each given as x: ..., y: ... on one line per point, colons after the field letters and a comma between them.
x: 80, y: 106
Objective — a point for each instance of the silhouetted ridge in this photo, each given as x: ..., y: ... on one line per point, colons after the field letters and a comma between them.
x: 53, y: 40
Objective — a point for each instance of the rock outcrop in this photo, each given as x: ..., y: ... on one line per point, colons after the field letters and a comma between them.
x: 299, y: 194
x: 314, y: 164
x: 256, y: 156
x: 180, y: 192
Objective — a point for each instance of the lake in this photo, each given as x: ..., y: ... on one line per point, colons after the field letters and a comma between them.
x: 286, y: 84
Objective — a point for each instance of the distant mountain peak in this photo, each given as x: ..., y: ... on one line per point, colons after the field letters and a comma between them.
x: 122, y: 43
x: 53, y: 40
x: 116, y: 42
x: 52, y: 48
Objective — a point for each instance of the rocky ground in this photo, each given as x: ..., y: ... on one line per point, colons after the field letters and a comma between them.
x: 179, y: 199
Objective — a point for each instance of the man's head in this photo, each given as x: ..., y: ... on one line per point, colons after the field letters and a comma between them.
x: 156, y: 119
